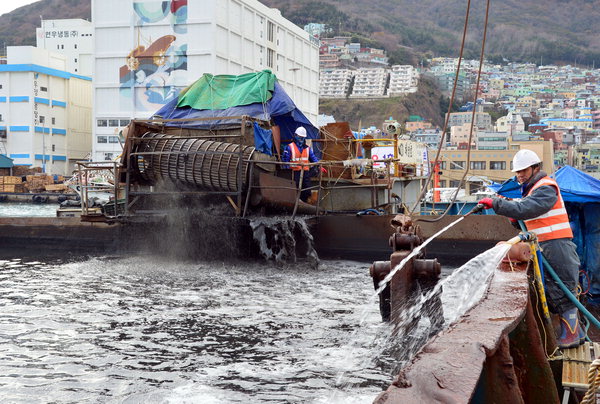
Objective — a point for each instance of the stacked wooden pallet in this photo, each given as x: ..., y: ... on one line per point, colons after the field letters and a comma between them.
x: 37, y: 183
x: 11, y: 184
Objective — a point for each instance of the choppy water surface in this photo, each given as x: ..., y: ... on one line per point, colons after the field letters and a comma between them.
x: 16, y: 209
x: 138, y: 330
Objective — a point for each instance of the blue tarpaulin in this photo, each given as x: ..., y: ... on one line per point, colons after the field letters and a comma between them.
x: 581, y: 193
x: 263, y: 140
x: 280, y: 108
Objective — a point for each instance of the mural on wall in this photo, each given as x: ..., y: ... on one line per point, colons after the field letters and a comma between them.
x: 156, y: 71
x: 150, y: 12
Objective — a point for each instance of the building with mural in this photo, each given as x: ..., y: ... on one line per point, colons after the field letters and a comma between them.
x: 45, y: 111
x: 72, y: 38
x: 148, y: 51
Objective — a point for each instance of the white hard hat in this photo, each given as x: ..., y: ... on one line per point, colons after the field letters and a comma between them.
x: 523, y: 159
x: 300, y: 131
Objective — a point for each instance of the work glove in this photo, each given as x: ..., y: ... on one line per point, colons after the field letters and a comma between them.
x: 487, y: 203
x: 323, y: 170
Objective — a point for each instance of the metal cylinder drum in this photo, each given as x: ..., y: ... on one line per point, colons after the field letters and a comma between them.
x: 207, y: 164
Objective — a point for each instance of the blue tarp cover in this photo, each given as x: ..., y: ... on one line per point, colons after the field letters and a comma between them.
x: 263, y: 140
x: 280, y: 108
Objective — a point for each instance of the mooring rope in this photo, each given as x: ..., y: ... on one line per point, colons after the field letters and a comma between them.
x: 594, y: 382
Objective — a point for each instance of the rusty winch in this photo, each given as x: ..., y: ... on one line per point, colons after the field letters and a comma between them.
x: 415, y: 278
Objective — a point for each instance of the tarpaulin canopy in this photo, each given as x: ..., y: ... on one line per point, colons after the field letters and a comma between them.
x: 226, y: 91
x: 575, y: 186
x: 280, y: 108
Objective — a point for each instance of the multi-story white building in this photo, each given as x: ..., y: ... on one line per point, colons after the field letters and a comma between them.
x: 147, y: 53
x: 404, y: 79
x: 45, y: 111
x: 72, y: 38
x: 370, y: 82
x: 335, y: 83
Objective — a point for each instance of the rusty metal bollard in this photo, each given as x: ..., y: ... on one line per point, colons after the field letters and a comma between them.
x: 417, y: 276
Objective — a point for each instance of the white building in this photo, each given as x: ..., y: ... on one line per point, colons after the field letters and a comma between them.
x: 45, y: 111
x: 404, y: 79
x: 370, y: 82
x: 335, y: 83
x: 72, y: 38
x: 510, y: 123
x: 146, y: 54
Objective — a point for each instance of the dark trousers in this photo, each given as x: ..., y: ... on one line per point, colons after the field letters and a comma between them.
x: 306, y: 183
x: 562, y: 256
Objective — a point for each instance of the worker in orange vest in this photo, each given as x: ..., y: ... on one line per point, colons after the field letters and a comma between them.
x: 543, y: 210
x: 299, y: 152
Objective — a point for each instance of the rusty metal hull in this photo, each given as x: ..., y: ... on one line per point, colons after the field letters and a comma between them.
x: 366, y: 237
x: 493, y: 354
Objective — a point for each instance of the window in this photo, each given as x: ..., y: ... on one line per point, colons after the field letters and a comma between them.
x: 270, y: 31
x: 497, y: 165
x: 53, y: 147
x: 1, y: 118
x: 477, y: 165
x: 0, y: 86
x: 108, y: 156
x: 62, y: 46
x: 2, y: 133
x: 53, y: 121
x: 270, y: 57
x: 75, y: 60
x: 457, y: 165
x: 43, y: 88
x: 102, y: 122
x: 124, y: 122
x: 42, y: 119
x: 113, y: 122
x: 75, y: 46
x: 454, y: 183
x: 113, y: 139
x: 102, y: 139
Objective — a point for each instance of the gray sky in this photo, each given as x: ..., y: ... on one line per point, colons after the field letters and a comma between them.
x: 6, y: 6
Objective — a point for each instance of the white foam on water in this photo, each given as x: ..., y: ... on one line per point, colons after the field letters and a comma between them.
x: 284, y: 240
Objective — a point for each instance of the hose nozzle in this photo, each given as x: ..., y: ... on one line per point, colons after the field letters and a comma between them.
x: 478, y: 208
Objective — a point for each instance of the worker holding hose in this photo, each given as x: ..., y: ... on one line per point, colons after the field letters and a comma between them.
x: 543, y: 211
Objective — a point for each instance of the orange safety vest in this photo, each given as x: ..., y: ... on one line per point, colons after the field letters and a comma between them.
x: 554, y: 223
x: 299, y: 157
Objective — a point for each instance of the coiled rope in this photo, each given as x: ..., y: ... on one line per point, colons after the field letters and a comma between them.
x: 594, y: 382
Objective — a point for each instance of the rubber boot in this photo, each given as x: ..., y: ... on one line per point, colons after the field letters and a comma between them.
x: 571, y: 334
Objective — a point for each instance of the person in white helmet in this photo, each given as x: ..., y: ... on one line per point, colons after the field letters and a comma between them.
x: 299, y: 152
x: 543, y: 211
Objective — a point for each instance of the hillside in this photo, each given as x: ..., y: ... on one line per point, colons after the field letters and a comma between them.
x: 427, y: 102
x: 549, y: 31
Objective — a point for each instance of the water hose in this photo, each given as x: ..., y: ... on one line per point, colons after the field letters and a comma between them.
x: 539, y: 281
x: 566, y: 291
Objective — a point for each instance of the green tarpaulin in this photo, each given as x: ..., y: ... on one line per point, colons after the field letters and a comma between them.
x: 226, y: 91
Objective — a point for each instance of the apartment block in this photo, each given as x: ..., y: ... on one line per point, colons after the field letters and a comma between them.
x: 335, y: 83
x: 370, y: 82
x: 404, y: 79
